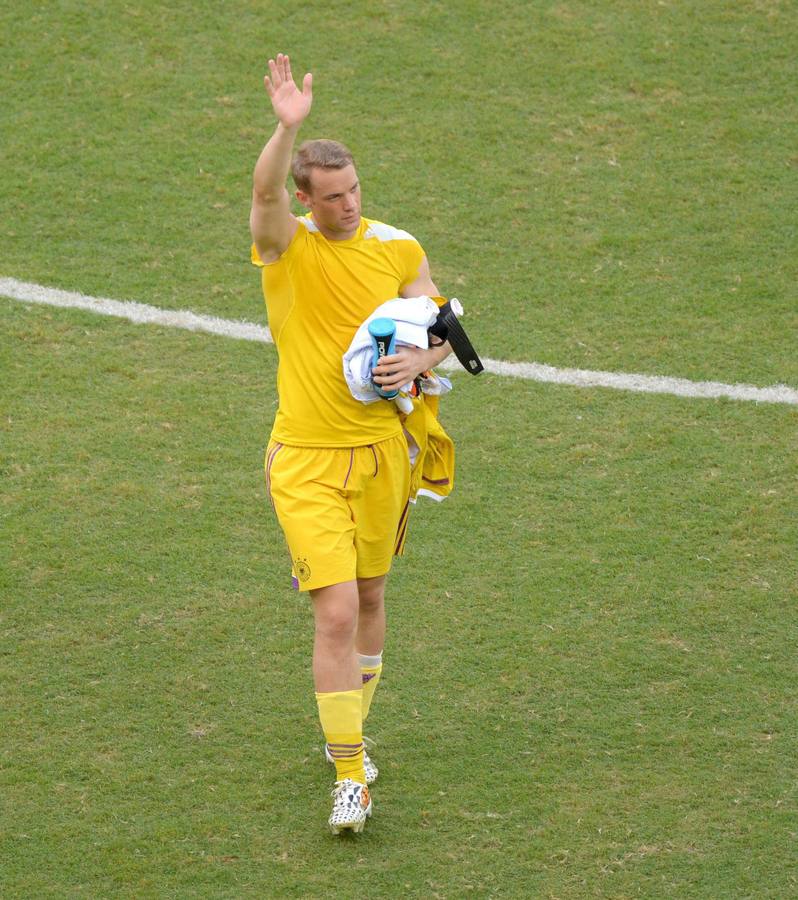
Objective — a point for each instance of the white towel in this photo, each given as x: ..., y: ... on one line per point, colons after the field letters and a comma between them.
x: 413, y: 316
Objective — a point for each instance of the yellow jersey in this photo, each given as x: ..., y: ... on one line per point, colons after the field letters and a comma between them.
x: 317, y: 295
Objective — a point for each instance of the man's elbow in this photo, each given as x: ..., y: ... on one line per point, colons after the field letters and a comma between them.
x: 267, y: 197
x: 262, y: 215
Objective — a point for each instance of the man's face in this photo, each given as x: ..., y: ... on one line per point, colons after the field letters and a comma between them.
x: 334, y: 200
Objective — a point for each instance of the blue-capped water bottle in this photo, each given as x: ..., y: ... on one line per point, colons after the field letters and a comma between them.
x: 383, y: 343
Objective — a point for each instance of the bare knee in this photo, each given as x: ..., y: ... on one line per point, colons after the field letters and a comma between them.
x: 336, y: 612
x: 371, y: 594
x: 338, y: 626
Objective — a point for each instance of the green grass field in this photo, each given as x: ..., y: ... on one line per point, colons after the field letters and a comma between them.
x: 590, y: 683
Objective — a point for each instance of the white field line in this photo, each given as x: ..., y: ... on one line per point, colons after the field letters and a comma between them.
x: 135, y: 312
x: 249, y: 331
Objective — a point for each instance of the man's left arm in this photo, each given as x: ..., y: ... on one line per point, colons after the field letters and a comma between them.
x: 408, y: 362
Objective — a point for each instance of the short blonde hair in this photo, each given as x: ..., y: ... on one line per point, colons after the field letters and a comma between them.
x: 319, y: 154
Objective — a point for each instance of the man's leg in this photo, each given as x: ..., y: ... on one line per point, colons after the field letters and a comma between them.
x: 370, y: 635
x: 337, y: 677
x: 306, y: 487
x: 381, y: 513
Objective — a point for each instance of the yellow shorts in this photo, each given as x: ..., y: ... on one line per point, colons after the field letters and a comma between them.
x: 343, y: 510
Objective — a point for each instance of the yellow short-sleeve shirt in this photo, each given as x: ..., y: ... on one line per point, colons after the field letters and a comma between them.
x: 317, y: 295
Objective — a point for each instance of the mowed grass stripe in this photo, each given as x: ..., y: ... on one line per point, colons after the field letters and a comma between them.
x: 142, y: 313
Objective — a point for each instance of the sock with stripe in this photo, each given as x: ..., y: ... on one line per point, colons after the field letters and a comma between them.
x: 370, y: 670
x: 341, y: 714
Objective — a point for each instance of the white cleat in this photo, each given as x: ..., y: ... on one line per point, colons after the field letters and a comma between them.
x: 371, y: 770
x: 351, y: 806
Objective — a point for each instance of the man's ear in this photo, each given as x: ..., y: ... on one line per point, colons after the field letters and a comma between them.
x: 303, y: 198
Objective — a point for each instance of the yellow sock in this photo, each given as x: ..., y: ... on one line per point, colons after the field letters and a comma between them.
x: 370, y: 670
x: 341, y: 714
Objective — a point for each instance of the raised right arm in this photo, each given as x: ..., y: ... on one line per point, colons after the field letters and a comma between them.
x: 270, y: 219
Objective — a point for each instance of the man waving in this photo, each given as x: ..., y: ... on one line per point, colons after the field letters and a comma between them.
x: 337, y: 470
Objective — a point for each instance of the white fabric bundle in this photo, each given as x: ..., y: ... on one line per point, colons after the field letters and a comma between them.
x: 413, y: 316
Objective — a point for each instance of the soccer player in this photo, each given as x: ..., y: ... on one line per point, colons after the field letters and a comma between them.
x: 337, y: 470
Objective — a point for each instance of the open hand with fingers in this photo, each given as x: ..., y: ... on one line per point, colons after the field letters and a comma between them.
x: 290, y: 105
